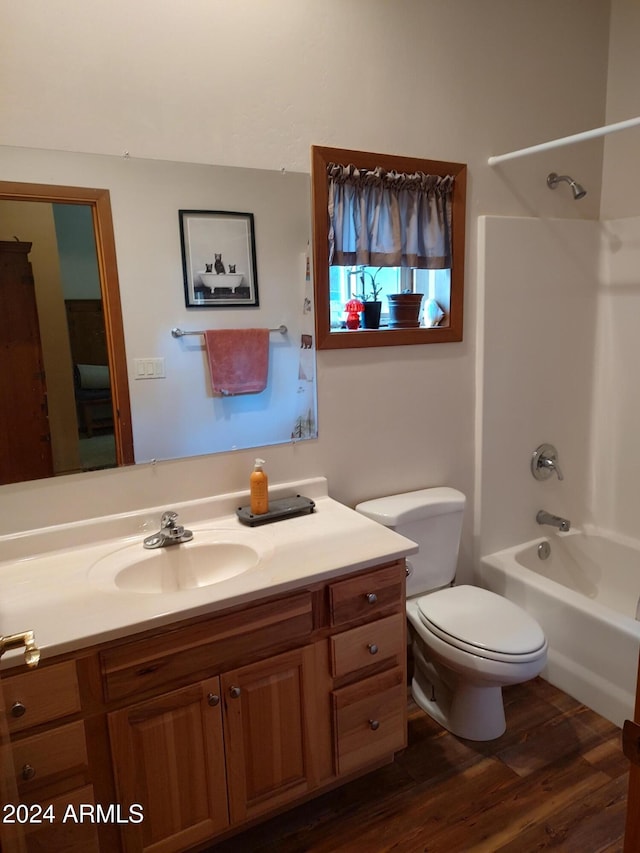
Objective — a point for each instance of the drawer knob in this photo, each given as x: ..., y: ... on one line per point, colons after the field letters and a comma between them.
x: 28, y: 772
x: 374, y: 725
x: 18, y: 709
x: 373, y: 649
x: 235, y: 692
x: 213, y: 699
x: 372, y: 598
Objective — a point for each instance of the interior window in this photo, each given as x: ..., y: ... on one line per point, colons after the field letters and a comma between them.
x: 356, y: 263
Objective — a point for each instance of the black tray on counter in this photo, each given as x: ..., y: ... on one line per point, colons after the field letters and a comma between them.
x: 278, y: 510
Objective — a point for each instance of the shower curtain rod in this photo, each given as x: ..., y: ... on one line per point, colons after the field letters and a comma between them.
x: 566, y: 140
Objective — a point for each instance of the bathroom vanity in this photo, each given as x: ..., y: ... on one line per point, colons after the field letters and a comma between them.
x: 220, y: 705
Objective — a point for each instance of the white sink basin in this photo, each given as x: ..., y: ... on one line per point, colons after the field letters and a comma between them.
x: 211, y: 557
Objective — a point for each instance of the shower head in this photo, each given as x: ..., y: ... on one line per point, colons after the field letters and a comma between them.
x: 553, y: 180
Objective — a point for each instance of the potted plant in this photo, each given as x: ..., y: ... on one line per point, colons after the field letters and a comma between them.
x: 372, y: 305
x: 404, y: 310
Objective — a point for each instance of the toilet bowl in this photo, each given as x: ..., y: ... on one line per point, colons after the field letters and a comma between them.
x: 467, y: 642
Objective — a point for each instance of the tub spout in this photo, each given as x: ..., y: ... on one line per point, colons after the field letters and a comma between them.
x: 544, y: 517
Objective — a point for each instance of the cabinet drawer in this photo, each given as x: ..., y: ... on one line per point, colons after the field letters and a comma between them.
x: 368, y: 594
x: 41, y: 696
x: 369, y: 644
x: 50, y: 757
x: 70, y: 835
x: 370, y: 720
x: 201, y: 650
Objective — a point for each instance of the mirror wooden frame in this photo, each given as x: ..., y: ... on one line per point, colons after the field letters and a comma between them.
x: 326, y: 338
x: 100, y: 203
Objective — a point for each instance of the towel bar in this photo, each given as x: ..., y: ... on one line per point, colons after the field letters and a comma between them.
x: 179, y: 333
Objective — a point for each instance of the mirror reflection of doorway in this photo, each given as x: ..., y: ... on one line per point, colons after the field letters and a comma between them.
x: 70, y: 336
x: 91, y: 383
x: 80, y: 284
x: 65, y: 273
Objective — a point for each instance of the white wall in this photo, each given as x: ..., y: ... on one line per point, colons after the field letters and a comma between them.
x: 620, y: 173
x: 255, y: 84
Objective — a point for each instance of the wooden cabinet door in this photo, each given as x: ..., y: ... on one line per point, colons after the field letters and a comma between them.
x: 11, y: 834
x: 269, y: 720
x: 25, y: 439
x: 168, y: 757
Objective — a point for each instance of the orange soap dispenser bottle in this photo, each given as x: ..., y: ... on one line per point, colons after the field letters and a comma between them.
x: 259, y: 489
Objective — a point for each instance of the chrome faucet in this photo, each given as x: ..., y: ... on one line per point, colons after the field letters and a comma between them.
x: 544, y: 462
x: 170, y: 533
x: 554, y: 520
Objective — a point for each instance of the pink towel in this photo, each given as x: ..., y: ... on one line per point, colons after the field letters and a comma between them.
x: 238, y: 360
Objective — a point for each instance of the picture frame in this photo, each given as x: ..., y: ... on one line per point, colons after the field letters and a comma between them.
x: 218, y: 259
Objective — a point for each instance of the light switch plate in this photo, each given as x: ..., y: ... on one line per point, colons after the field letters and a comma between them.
x: 149, y: 368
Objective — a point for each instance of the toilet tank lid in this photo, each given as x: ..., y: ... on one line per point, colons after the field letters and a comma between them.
x: 412, y: 506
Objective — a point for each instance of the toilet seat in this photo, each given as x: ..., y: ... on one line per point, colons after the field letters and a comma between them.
x: 482, y: 623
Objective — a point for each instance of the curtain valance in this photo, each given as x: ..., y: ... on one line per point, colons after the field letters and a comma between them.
x: 389, y: 219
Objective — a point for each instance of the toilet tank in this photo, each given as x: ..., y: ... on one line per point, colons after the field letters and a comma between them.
x: 433, y: 519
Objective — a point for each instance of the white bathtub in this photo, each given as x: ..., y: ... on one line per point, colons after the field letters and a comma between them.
x: 585, y: 596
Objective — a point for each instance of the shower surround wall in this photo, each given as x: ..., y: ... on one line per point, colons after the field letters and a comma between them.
x: 616, y: 482
x: 537, y: 352
x: 560, y: 305
x: 617, y: 412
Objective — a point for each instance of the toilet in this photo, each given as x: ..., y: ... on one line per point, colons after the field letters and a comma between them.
x: 467, y: 642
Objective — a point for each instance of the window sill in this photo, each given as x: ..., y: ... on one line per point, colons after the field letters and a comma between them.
x: 356, y: 338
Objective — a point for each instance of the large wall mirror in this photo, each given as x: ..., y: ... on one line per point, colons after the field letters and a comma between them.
x: 135, y: 236
x: 389, y: 245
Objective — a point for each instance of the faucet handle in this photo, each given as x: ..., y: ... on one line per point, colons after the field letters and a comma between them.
x: 172, y: 532
x: 544, y: 462
x: 168, y: 519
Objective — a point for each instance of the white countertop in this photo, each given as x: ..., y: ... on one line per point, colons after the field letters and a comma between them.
x: 46, y: 582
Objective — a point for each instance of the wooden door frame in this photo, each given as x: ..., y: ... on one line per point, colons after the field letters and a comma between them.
x: 99, y: 201
x: 632, y: 825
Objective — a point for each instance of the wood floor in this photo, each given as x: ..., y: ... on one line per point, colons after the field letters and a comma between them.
x: 556, y: 780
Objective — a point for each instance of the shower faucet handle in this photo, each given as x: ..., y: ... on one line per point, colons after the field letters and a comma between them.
x: 544, y: 462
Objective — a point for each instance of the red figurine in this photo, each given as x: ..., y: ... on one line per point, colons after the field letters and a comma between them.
x: 353, y: 309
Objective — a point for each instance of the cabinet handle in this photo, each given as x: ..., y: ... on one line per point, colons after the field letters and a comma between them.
x: 374, y: 725
x: 235, y: 692
x: 373, y: 649
x: 18, y: 709
x: 213, y: 699
x: 28, y: 772
x: 372, y: 598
